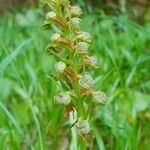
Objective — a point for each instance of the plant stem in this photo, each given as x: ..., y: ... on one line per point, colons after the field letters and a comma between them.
x: 73, y: 131
x: 82, y: 144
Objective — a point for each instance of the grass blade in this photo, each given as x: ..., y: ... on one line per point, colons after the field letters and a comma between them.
x: 11, y: 118
x: 6, y: 61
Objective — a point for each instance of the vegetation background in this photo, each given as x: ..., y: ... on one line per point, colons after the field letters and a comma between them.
x: 28, y: 117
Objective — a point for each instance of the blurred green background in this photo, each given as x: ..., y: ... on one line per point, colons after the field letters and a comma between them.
x: 28, y: 117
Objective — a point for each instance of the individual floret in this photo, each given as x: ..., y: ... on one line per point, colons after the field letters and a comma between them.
x: 82, y: 47
x: 85, y: 36
x: 100, y: 97
x: 60, y: 67
x: 82, y: 127
x: 75, y: 23
x: 74, y: 10
x: 63, y: 98
x: 86, y: 81
x: 91, y: 61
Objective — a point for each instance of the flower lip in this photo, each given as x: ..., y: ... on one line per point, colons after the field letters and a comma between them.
x: 100, y: 97
x: 86, y: 81
x: 60, y: 67
x: 63, y: 98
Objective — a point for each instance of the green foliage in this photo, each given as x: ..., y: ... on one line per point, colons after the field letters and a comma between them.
x: 29, y: 119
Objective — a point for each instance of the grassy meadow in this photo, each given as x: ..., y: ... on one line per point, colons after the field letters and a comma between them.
x: 29, y: 118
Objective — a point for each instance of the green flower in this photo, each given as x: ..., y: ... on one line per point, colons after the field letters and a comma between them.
x: 92, y: 61
x: 63, y: 98
x: 82, y: 127
x: 82, y: 47
x: 60, y: 67
x: 86, y: 81
x: 85, y: 36
x: 55, y: 37
x: 50, y: 15
x: 100, y: 97
x: 75, y: 11
x: 75, y: 23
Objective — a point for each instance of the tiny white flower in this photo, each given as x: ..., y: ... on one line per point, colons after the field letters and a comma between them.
x: 75, y: 10
x: 82, y: 47
x: 85, y: 36
x: 60, y: 67
x: 75, y: 23
x: 100, y: 97
x: 50, y: 15
x: 63, y: 98
x: 55, y: 37
x: 86, y: 81
x: 82, y: 127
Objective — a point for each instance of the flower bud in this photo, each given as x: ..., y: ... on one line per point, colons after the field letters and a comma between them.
x: 86, y: 81
x: 100, y: 97
x: 75, y: 23
x: 82, y: 47
x: 50, y: 15
x: 85, y: 36
x: 63, y: 98
x: 92, y: 61
x: 75, y: 11
x: 82, y: 127
x: 55, y: 37
x: 60, y: 67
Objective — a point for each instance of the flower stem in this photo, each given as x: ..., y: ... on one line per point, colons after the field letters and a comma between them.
x: 73, y: 131
x: 82, y: 144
